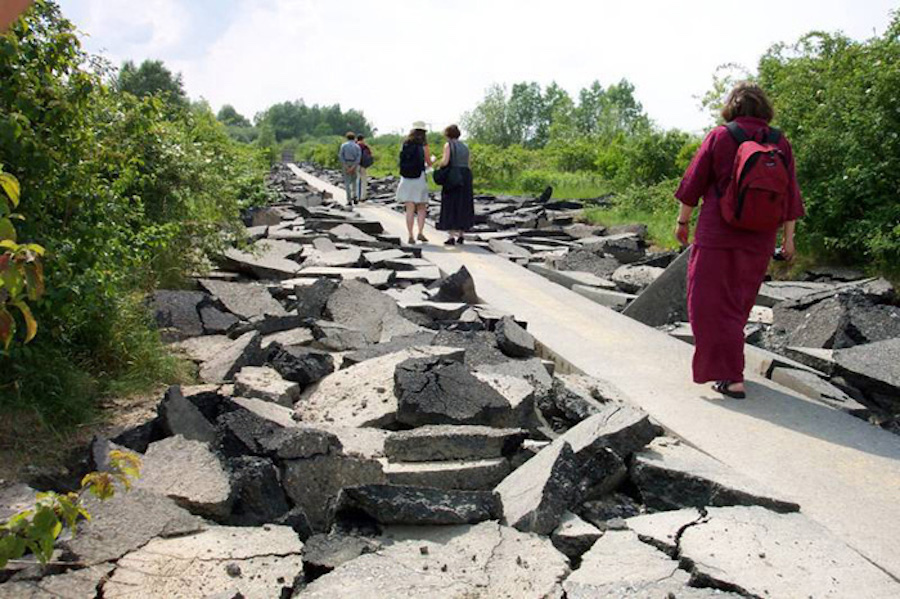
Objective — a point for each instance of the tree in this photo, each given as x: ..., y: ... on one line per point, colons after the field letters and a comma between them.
x: 489, y: 121
x: 231, y: 117
x: 836, y: 99
x: 524, y: 113
x: 604, y: 113
x: 151, y: 78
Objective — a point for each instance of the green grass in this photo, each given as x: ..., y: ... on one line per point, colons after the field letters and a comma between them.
x: 659, y: 224
x: 62, y: 389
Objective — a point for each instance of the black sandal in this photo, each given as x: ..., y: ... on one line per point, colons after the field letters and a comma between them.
x: 722, y: 387
x: 450, y: 241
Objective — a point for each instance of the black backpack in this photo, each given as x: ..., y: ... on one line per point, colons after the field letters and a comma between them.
x: 367, y: 159
x: 412, y: 161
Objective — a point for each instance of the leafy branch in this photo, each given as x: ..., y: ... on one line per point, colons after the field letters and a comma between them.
x: 21, y: 270
x: 36, y: 529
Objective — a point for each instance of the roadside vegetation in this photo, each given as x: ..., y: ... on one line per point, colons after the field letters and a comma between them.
x: 125, y: 185
x: 835, y: 98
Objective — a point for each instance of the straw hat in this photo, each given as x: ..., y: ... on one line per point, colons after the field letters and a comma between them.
x: 420, y: 125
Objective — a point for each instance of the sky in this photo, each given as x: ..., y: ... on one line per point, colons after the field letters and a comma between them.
x: 401, y: 61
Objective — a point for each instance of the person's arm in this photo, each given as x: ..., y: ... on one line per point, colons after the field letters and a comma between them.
x: 683, y: 225
x: 693, y: 185
x: 445, y: 157
x: 788, y: 249
x: 428, y: 160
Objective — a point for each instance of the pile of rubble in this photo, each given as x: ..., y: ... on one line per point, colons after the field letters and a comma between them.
x: 367, y: 427
x: 834, y: 337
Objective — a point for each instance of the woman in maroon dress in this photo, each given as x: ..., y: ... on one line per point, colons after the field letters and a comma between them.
x: 728, y: 264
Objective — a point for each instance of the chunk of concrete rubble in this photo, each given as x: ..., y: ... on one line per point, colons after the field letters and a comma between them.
x: 671, y: 475
x: 300, y: 364
x: 467, y: 475
x: 465, y: 561
x: 756, y: 552
x: 615, y: 300
x: 874, y: 368
x: 216, y: 321
x: 336, y: 337
x: 576, y: 397
x: 574, y: 536
x: 513, y: 340
x: 395, y: 345
x: 458, y: 287
x: 664, y: 300
x: 301, y: 442
x: 571, y: 278
x: 379, y: 257
x: 610, y: 511
x: 438, y: 310
x: 340, y: 258
x: 15, y: 497
x: 312, y: 299
x: 263, y: 382
x: 258, y: 496
x: 363, y: 394
x: 125, y: 523
x: 297, y: 336
x: 314, y: 484
x: 323, y: 553
x: 624, y: 247
x: 244, y: 351
x: 452, y: 442
x: 177, y: 313
x: 535, y: 496
x: 201, y: 349
x: 585, y: 260
x: 260, y: 263
x: 189, y: 473
x: 425, y: 274
x: 817, y: 358
x: 480, y: 346
x: 815, y: 387
x: 361, y: 306
x: 257, y: 563
x: 508, y: 249
x: 619, y: 565
x: 178, y: 416
x: 533, y: 370
x: 246, y: 300
x: 396, y: 504
x: 439, y: 390
x: 74, y: 584
x: 632, y: 278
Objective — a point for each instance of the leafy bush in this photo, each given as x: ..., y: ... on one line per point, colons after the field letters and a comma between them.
x: 125, y: 193
x: 36, y: 529
x: 837, y: 100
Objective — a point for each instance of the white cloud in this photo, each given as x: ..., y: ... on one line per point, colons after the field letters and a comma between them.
x: 129, y: 29
x: 401, y: 61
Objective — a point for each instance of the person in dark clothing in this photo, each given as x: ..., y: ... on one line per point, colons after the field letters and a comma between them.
x: 727, y: 264
x: 458, y: 202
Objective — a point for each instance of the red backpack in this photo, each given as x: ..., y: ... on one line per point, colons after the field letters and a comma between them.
x: 756, y: 198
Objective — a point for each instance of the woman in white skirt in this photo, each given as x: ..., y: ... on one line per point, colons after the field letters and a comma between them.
x: 413, y: 188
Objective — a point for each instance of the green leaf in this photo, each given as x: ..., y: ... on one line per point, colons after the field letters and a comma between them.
x: 11, y: 186
x: 7, y: 230
x: 30, y: 322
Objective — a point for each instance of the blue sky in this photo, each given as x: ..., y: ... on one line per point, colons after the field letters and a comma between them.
x: 401, y: 61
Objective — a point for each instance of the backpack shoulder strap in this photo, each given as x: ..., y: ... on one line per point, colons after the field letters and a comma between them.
x: 736, y: 132
x: 774, y: 136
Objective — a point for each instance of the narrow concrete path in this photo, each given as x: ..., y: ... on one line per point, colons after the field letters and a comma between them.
x: 844, y: 472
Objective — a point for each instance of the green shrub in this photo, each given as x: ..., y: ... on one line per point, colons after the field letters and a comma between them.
x: 125, y: 194
x: 837, y: 100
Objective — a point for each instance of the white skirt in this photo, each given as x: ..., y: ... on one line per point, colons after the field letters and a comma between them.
x: 413, y: 191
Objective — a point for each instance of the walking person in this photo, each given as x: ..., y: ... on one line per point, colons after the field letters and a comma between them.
x: 457, y: 195
x: 365, y: 161
x: 349, y: 155
x: 413, y: 188
x: 736, y: 230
